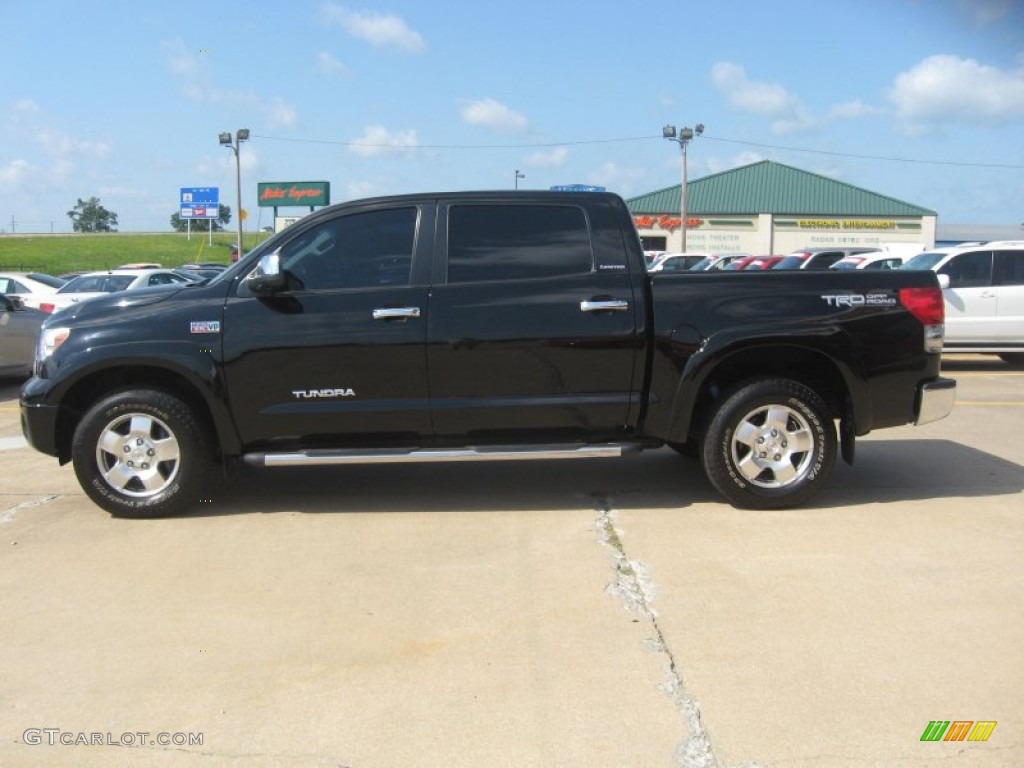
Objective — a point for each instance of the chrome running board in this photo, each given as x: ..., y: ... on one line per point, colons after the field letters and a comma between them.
x: 394, y: 456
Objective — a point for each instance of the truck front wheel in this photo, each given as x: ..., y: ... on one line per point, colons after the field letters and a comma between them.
x: 141, y: 453
x: 771, y: 444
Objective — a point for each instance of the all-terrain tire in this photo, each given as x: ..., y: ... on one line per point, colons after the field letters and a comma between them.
x: 142, y: 453
x: 770, y: 444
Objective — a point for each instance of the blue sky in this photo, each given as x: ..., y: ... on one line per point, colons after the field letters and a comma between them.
x: 922, y: 100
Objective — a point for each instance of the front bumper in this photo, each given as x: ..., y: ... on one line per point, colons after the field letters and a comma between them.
x: 935, y: 400
x: 38, y: 418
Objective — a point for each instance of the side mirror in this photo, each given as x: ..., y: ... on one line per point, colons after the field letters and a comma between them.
x: 267, y: 278
x: 11, y: 303
x: 944, y: 282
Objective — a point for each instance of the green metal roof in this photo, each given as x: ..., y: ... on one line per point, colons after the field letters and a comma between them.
x: 770, y: 187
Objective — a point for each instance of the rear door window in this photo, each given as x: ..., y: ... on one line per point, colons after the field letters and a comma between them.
x: 1010, y: 267
x: 517, y: 242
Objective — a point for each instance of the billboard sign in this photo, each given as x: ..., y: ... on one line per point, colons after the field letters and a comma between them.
x: 199, y: 203
x: 279, y: 194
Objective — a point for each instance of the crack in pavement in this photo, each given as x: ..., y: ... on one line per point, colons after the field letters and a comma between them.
x: 634, y: 587
x: 11, y: 513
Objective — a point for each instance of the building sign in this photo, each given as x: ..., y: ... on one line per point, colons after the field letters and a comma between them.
x: 577, y: 188
x: 848, y: 225
x: 671, y: 223
x: 277, y: 194
x: 199, y: 203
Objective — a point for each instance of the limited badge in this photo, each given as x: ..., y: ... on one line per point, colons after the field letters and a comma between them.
x: 205, y: 326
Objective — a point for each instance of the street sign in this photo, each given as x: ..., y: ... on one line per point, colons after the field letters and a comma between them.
x: 199, y: 202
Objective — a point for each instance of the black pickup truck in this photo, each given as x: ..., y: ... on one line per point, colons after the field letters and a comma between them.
x: 480, y: 326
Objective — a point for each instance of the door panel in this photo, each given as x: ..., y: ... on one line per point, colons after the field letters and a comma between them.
x: 971, y: 300
x: 527, y: 339
x: 338, y: 359
x: 1010, y: 285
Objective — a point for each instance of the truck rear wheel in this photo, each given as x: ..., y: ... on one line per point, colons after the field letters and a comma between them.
x: 141, y: 453
x: 771, y: 444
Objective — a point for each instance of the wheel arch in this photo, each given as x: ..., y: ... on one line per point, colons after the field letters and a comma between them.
x: 710, y: 378
x: 94, y: 386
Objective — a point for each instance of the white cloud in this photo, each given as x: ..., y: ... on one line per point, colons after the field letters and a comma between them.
x: 359, y: 189
x: 179, y: 59
x: 946, y: 88
x: 493, y: 114
x: 770, y: 100
x: 717, y: 165
x: 196, y: 84
x: 56, y: 142
x: 122, y: 192
x: 381, y: 30
x: 852, y: 110
x: 615, y: 178
x: 15, y: 172
x: 554, y: 159
x: 378, y: 140
x: 219, y: 166
x: 25, y: 106
x: 985, y: 12
x: 280, y: 113
x: 329, y: 65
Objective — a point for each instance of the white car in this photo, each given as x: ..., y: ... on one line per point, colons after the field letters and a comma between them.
x: 30, y: 287
x: 983, y: 285
x: 676, y: 262
x: 873, y: 260
x: 93, y: 284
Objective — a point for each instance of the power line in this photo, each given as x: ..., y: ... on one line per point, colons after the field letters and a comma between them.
x: 867, y: 157
x: 533, y: 145
x: 548, y: 144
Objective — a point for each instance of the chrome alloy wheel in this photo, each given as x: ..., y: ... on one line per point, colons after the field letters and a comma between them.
x: 138, y: 455
x: 773, y: 446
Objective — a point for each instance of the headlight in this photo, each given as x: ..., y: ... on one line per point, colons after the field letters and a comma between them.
x: 49, y: 340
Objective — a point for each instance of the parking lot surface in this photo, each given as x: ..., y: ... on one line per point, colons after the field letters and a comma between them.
x: 610, y: 612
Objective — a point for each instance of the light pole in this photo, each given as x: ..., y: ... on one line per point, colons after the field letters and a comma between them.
x: 683, y: 138
x: 242, y: 134
x: 518, y: 177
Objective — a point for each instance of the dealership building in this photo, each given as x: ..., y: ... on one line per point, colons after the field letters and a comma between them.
x: 771, y: 208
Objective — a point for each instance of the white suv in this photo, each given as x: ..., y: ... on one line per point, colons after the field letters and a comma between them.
x: 983, y: 284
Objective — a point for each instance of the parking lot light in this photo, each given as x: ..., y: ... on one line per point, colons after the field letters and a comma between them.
x: 682, y: 137
x: 242, y: 134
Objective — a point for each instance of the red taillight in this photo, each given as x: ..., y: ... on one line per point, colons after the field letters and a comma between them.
x: 47, y: 307
x: 925, y: 304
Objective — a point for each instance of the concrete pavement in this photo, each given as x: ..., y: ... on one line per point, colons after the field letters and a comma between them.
x: 592, y: 613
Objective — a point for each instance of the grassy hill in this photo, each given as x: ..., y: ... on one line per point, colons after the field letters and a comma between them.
x: 55, y: 254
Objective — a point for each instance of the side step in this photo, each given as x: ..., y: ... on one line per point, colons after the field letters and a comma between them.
x: 394, y: 456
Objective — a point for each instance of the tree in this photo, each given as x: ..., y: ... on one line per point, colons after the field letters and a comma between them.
x: 90, y: 216
x: 179, y: 224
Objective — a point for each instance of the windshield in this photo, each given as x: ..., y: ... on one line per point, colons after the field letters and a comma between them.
x: 790, y: 262
x: 703, y: 264
x: 98, y: 284
x: 844, y: 264
x: 50, y: 280
x: 924, y: 261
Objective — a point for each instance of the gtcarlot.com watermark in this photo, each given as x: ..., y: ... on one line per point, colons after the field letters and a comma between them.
x: 56, y: 737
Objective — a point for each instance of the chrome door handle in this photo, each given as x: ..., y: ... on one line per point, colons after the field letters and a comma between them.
x: 396, y: 313
x: 604, y: 306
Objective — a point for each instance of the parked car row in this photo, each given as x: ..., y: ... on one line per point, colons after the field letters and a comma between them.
x: 983, y: 283
x: 28, y: 298
x: 890, y: 256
